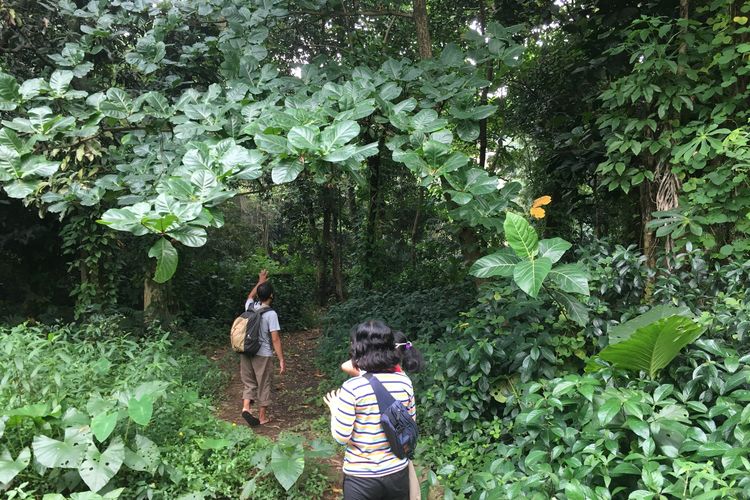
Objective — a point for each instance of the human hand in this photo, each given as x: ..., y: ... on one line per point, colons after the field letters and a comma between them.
x: 331, y: 399
x: 262, y: 276
x: 282, y: 367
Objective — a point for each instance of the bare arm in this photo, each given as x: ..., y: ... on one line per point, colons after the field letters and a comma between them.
x: 348, y: 368
x: 262, y: 278
x: 276, y: 339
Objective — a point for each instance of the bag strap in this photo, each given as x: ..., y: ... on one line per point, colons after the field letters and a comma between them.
x: 385, y: 400
x: 260, y: 311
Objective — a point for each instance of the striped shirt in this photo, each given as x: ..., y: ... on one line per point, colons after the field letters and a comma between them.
x: 355, y: 422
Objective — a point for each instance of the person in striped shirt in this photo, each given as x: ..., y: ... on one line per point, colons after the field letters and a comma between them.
x: 371, y: 470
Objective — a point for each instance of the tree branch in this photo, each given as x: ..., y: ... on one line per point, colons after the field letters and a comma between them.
x: 362, y: 13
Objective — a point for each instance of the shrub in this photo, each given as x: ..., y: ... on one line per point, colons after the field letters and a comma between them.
x: 602, y: 435
x: 423, y: 315
x: 91, y: 409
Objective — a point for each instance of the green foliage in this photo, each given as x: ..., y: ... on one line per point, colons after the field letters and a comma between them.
x: 422, y: 315
x: 593, y: 435
x: 530, y: 263
x: 286, y: 461
x: 678, y: 112
x: 92, y: 408
x: 182, y: 138
x: 506, y: 339
x: 653, y: 346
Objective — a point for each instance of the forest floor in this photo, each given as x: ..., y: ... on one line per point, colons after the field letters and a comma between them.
x: 296, y: 404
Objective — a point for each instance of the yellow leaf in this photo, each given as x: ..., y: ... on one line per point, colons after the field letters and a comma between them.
x: 537, y: 212
x: 541, y: 201
x: 740, y: 20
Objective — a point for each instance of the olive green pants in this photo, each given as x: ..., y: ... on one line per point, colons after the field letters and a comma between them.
x: 256, y: 373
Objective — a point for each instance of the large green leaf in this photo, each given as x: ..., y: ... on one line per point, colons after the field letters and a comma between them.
x: 286, y: 171
x: 341, y: 154
x: 273, y: 144
x: 205, y: 182
x: 67, y: 453
x: 625, y: 330
x: 529, y: 274
x: 571, y: 278
x: 146, y: 457
x: 454, y: 162
x: 38, y: 166
x: 500, y: 263
x: 20, y: 189
x: 303, y: 137
x: 99, y: 468
x: 8, y: 92
x: 60, y: 81
x: 190, y: 236
x: 652, y: 347
x: 553, y: 248
x: 103, y: 424
x: 166, y: 260
x: 339, y: 134
x: 141, y: 409
x: 10, y: 468
x: 287, y: 463
x: 127, y: 219
x: 574, y: 310
x: 521, y: 237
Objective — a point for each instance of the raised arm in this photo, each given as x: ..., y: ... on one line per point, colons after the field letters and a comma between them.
x: 262, y: 278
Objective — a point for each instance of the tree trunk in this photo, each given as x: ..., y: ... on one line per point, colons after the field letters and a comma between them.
x: 325, y: 246
x: 647, y: 235
x: 334, y: 200
x: 424, y: 41
x: 155, y: 302
x: 471, y: 246
x: 415, y: 227
x: 321, y: 265
x: 483, y: 99
x: 371, y: 228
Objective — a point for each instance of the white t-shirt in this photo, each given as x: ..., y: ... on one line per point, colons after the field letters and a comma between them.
x: 269, y: 322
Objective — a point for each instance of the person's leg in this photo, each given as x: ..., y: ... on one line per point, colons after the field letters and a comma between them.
x: 396, y: 486
x: 250, y: 388
x: 263, y: 367
x: 363, y: 488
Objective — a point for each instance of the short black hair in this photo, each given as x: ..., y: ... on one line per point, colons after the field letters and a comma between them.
x: 265, y: 291
x: 373, y: 347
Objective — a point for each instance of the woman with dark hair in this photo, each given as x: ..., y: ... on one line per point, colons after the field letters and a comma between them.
x: 371, y: 470
x: 412, y: 360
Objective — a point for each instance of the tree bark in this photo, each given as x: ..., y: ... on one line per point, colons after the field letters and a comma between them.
x: 647, y: 235
x: 155, y: 302
x: 483, y: 99
x: 424, y: 41
x: 321, y: 264
x: 324, y: 287
x: 334, y: 199
x: 371, y: 228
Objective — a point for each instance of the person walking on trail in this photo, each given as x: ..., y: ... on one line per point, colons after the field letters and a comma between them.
x: 371, y: 470
x: 256, y: 372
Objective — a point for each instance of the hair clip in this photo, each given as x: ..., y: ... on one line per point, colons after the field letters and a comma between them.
x: 405, y: 345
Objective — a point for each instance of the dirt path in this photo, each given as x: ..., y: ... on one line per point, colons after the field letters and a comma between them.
x: 294, y: 400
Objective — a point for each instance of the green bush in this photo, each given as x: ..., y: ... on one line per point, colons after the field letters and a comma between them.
x: 604, y: 435
x: 423, y: 315
x: 214, y: 291
x: 88, y: 408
